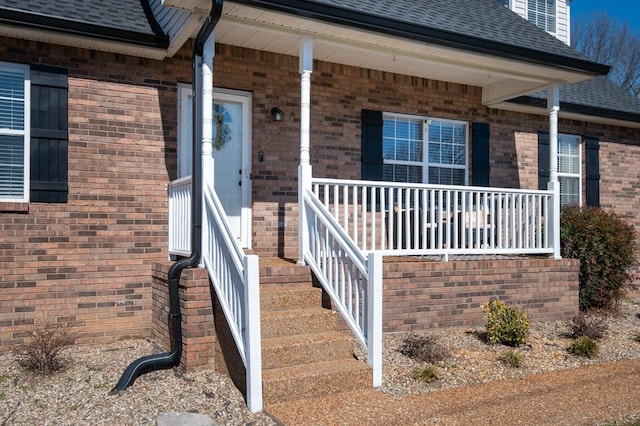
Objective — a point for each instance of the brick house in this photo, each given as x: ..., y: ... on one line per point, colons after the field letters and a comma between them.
x: 430, y: 132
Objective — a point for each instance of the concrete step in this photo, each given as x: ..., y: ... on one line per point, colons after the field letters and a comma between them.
x: 314, y: 380
x: 289, y: 351
x: 294, y: 322
x: 274, y: 271
x: 294, y: 296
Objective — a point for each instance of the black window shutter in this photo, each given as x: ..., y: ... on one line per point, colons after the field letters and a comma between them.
x: 543, y: 160
x: 371, y: 144
x: 480, y: 135
x: 593, y: 172
x: 49, y: 134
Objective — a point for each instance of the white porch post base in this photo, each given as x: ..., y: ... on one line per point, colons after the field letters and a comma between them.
x: 374, y: 317
x: 252, y: 339
x: 554, y: 219
x: 304, y: 182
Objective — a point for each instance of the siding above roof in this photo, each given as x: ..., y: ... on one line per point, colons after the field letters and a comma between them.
x: 128, y: 21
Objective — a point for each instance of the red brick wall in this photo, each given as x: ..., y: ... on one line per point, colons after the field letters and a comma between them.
x: 420, y: 294
x: 198, y: 334
x: 88, y: 262
x: 207, y: 341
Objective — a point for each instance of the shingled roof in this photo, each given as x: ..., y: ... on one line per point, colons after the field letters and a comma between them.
x: 128, y: 21
x: 598, y: 97
x: 482, y: 19
x: 484, y: 26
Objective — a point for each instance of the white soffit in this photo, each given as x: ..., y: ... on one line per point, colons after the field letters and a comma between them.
x: 188, y: 5
x: 500, y: 78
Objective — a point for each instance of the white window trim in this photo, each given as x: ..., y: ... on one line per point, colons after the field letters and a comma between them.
x: 25, y: 132
x: 578, y: 175
x: 555, y: 29
x: 425, y: 164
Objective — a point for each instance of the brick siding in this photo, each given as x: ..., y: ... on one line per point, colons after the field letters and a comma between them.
x: 198, y: 334
x: 88, y: 262
x: 421, y: 294
x: 206, y: 338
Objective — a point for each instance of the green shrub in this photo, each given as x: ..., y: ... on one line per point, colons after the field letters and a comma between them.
x: 505, y: 325
x: 584, y: 347
x: 423, y: 348
x: 512, y: 358
x: 606, y: 246
x: 589, y: 326
x: 427, y: 374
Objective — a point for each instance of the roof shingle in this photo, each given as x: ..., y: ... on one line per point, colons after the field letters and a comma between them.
x: 484, y: 19
x: 103, y: 16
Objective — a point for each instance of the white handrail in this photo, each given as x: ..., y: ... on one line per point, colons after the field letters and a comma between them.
x: 353, y: 281
x: 411, y: 219
x: 180, y: 216
x: 235, y: 278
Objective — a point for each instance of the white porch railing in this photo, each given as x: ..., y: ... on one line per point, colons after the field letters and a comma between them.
x: 180, y: 217
x: 353, y: 280
x: 235, y: 277
x: 412, y: 219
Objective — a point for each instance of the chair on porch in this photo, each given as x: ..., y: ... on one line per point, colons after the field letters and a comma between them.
x: 476, y: 226
x: 397, y: 236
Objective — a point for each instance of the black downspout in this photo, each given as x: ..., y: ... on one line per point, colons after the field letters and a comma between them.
x: 171, y: 359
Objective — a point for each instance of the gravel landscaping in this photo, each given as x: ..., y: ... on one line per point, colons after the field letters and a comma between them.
x: 473, y: 361
x: 79, y: 394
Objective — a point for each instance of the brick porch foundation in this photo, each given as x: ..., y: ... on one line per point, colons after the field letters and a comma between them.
x: 207, y: 342
x: 421, y: 294
x: 418, y: 295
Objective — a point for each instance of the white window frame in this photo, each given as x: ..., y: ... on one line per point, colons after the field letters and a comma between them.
x: 25, y: 132
x: 425, y: 163
x: 578, y: 175
x: 546, y: 14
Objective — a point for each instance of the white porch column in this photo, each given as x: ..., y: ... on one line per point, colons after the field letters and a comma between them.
x: 207, y: 111
x: 205, y: 65
x: 553, y: 106
x: 304, y: 169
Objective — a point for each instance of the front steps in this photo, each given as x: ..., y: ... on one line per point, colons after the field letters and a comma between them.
x: 304, y: 353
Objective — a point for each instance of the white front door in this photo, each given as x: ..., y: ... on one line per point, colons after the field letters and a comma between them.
x: 231, y: 153
x: 232, y: 159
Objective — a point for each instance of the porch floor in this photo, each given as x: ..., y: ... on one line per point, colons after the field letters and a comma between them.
x: 587, y: 395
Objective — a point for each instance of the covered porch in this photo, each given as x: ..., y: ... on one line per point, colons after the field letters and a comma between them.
x: 345, y: 227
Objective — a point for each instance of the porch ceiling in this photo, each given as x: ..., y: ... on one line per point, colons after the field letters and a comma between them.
x: 500, y: 78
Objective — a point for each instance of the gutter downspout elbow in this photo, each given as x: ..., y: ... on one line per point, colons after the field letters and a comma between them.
x: 172, y: 359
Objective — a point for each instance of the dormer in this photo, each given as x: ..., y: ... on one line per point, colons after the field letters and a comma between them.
x: 550, y: 15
